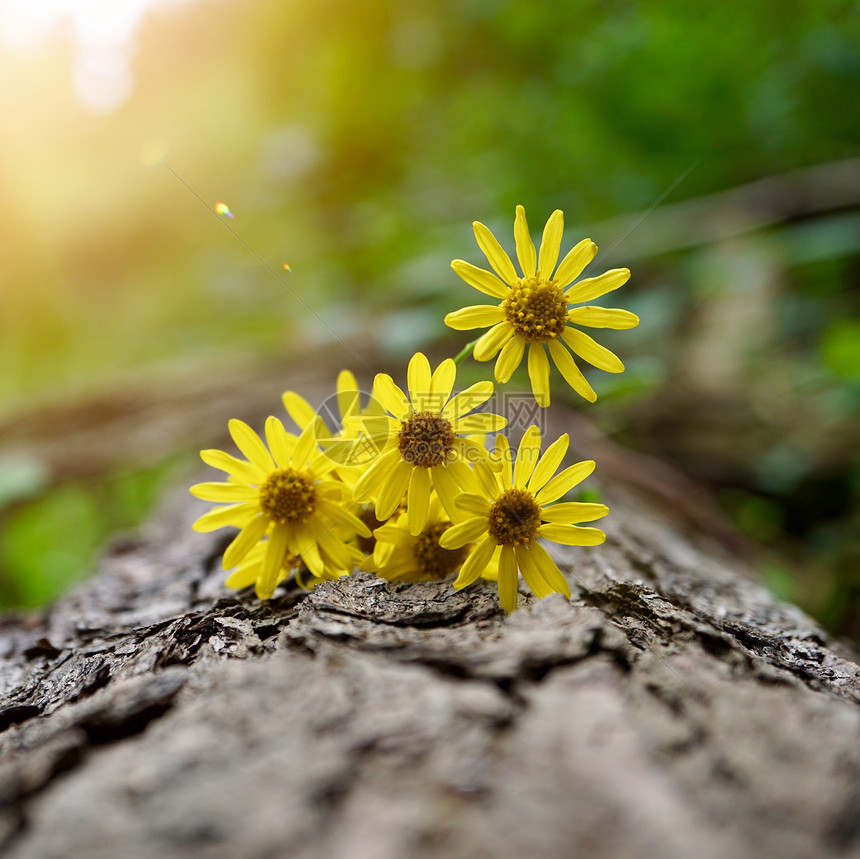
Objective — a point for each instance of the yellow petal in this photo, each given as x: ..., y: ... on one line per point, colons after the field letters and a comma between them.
x: 509, y: 358
x: 603, y: 317
x: 487, y: 480
x: 298, y: 408
x: 348, y: 397
x: 351, y: 452
x: 550, y: 243
x: 572, y: 374
x: 372, y: 479
x: 419, y: 500
x: 334, y: 490
x: 337, y: 554
x: 476, y: 563
x: 391, y: 492
x: 374, y: 406
x: 391, y: 396
x: 572, y: 535
x: 369, y: 565
x: 525, y: 245
x: 313, y: 559
x: 244, y: 576
x: 304, y: 446
x: 508, y: 578
x: 533, y: 578
x: 373, y: 424
x: 548, y: 569
x: 594, y: 287
x: 539, y: 373
x: 572, y: 265
x: 451, y: 481
x: 468, y: 531
x: 494, y: 253
x: 244, y: 541
x: 587, y: 347
x: 503, y: 454
x: 442, y: 383
x: 393, y: 534
x: 491, y: 574
x: 276, y: 551
x: 238, y: 469
x: 463, y: 474
x: 235, y: 516
x: 467, y: 400
x: 491, y: 341
x: 473, y: 505
x: 468, y: 450
x: 573, y: 512
x: 224, y: 492
x: 480, y: 279
x: 250, y: 444
x: 383, y: 553
x: 564, y: 482
x: 418, y: 376
x: 475, y: 316
x: 480, y: 423
x: 280, y: 444
x: 447, y: 489
x: 549, y: 462
x: 320, y: 464
x: 342, y: 518
x: 527, y: 456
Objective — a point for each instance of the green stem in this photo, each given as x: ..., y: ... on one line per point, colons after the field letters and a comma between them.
x: 465, y: 351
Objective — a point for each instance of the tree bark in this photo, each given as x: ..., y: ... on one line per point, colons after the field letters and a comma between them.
x: 672, y: 708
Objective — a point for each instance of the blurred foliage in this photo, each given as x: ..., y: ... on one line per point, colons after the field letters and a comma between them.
x: 358, y: 141
x: 50, y: 542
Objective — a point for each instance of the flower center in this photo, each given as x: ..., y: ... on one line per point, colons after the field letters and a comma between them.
x: 431, y: 558
x: 514, y: 518
x: 536, y: 308
x: 287, y: 496
x: 425, y: 439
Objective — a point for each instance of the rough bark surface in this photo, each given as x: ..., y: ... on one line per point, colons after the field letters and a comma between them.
x: 672, y: 708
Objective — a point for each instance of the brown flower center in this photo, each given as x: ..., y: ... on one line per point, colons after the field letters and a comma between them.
x: 537, y: 309
x: 426, y: 439
x: 514, y: 518
x: 287, y: 496
x: 431, y: 558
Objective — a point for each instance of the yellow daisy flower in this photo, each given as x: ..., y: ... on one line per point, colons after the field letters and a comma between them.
x: 350, y: 453
x: 303, y: 413
x: 401, y: 556
x: 534, y: 308
x: 285, y: 492
x: 424, y: 441
x: 515, y: 510
x: 249, y: 571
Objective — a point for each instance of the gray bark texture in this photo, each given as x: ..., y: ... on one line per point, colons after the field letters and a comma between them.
x: 672, y: 708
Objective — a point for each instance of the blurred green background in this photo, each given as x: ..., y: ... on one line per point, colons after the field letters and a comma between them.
x: 356, y: 142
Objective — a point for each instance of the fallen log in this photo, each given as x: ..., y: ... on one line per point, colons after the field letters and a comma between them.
x: 672, y: 708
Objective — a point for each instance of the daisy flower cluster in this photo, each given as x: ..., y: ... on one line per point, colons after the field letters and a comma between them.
x: 420, y: 484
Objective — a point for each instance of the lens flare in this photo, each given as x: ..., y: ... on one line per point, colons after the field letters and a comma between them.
x: 287, y: 267
x: 223, y: 209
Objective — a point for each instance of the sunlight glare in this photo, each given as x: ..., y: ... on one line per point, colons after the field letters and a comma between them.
x: 103, y: 33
